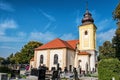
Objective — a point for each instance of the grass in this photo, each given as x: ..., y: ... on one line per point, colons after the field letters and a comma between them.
x: 64, y: 79
x: 23, y: 76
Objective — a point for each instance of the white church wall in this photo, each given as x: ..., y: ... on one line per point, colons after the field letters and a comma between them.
x: 31, y: 64
x: 59, y: 52
x: 44, y: 53
x: 92, y: 60
x: 70, y: 58
x: 84, y: 59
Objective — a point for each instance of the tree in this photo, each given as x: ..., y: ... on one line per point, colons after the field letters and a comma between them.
x: 116, y: 13
x: 108, y: 68
x: 12, y: 61
x: 2, y: 60
x: 27, y: 52
x: 106, y: 50
x: 116, y: 38
x: 17, y: 58
x: 116, y: 43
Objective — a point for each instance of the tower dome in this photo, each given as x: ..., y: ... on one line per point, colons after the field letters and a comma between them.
x: 87, y: 18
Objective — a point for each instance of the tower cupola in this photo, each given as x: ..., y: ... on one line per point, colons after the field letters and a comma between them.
x: 87, y: 18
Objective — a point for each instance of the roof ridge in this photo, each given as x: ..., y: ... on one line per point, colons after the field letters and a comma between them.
x: 59, y: 43
x: 72, y: 40
x: 66, y: 43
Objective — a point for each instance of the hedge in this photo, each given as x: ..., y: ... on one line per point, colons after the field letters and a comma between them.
x: 109, y: 68
x: 5, y: 69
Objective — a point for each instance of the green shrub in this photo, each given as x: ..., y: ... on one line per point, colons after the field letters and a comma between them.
x: 4, y: 69
x: 23, y: 76
x: 108, y: 68
x: 88, y: 75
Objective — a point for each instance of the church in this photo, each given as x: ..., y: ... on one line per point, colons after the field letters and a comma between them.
x: 79, y: 53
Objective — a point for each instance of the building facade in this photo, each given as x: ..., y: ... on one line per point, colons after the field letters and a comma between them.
x: 79, y: 53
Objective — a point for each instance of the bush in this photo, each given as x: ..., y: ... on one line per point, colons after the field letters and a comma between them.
x: 4, y: 69
x: 108, y: 68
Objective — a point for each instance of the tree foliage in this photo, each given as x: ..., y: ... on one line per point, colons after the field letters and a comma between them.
x: 108, y: 68
x: 116, y: 42
x: 116, y: 38
x: 2, y: 60
x: 26, y: 53
x: 116, y: 13
x: 106, y: 50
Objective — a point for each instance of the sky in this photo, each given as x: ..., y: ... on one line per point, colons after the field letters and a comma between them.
x: 22, y: 21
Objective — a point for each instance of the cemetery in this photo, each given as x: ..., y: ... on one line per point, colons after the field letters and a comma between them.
x: 42, y: 73
x: 65, y: 53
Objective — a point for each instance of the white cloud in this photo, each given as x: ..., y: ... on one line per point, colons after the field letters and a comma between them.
x: 22, y: 34
x: 48, y: 36
x: 6, y: 6
x: 47, y: 26
x: 68, y: 36
x: 44, y: 37
x: 105, y: 24
x: 95, y: 15
x: 7, y: 24
x: 78, y: 18
x: 7, y: 47
x: 10, y: 24
x: 48, y: 16
x: 11, y: 39
x: 104, y: 36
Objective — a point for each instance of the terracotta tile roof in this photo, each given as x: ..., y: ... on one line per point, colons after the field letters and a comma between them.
x: 73, y: 43
x: 32, y: 59
x: 83, y: 53
x: 58, y: 43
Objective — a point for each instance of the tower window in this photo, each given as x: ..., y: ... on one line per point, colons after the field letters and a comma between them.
x: 86, y: 33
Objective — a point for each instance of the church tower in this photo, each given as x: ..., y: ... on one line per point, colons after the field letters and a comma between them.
x: 87, y: 33
x: 87, y: 40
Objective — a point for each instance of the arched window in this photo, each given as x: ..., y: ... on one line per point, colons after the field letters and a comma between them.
x: 86, y: 33
x: 41, y: 59
x: 55, y: 59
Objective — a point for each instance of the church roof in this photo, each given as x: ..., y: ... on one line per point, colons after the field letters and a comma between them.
x: 83, y: 53
x: 73, y: 43
x: 58, y: 43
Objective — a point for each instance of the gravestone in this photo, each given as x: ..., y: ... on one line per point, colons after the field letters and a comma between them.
x: 55, y: 75
x: 75, y: 74
x: 34, y: 72
x: 15, y: 73
x: 41, y: 73
x: 3, y: 76
x: 65, y: 70
x: 58, y: 66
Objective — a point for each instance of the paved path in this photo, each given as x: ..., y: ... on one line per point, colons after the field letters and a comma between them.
x: 35, y: 78
x: 88, y: 78
x: 28, y: 78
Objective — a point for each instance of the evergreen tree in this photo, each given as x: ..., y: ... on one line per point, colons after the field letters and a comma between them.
x: 116, y: 38
x: 106, y: 51
x: 116, y: 13
x: 116, y: 42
